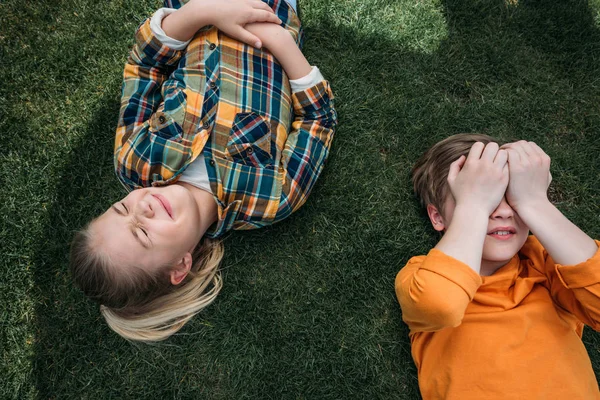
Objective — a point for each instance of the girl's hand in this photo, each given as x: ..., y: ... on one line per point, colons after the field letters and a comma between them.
x: 229, y: 16
x: 232, y: 16
x: 480, y: 180
x: 529, y: 170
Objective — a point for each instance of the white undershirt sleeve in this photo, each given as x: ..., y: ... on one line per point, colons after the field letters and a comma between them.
x: 157, y: 30
x: 307, y: 81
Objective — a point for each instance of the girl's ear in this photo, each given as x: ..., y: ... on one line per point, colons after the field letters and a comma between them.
x: 436, y: 218
x: 180, y: 271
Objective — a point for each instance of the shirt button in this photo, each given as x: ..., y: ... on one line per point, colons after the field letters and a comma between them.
x: 205, y: 125
x: 162, y: 119
x: 212, y: 163
x: 212, y: 85
x: 212, y: 46
x: 250, y: 151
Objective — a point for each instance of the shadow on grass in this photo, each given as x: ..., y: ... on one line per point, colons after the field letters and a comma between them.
x: 497, y: 72
x: 67, y: 325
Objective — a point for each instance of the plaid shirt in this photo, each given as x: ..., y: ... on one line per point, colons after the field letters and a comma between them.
x: 264, y: 147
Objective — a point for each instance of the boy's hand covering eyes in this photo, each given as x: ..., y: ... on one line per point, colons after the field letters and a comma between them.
x: 529, y: 170
x: 480, y: 179
x: 231, y: 17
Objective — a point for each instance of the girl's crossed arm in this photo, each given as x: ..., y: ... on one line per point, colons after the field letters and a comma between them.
x: 315, y: 119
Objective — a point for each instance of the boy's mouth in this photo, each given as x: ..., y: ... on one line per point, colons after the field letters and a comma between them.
x: 502, y: 232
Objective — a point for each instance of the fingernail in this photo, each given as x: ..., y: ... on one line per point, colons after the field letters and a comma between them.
x: 258, y: 45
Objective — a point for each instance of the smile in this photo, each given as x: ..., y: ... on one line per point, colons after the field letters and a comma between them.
x: 502, y: 233
x: 165, y: 203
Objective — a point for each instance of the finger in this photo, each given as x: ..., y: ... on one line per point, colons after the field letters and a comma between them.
x: 513, y: 156
x: 475, y: 151
x: 507, y: 145
x: 455, y: 168
x: 506, y: 173
x: 263, y: 16
x: 245, y: 36
x: 262, y: 6
x: 549, y: 178
x: 490, y: 151
x: 528, y: 148
x: 539, y: 152
x: 501, y: 158
x: 537, y: 149
x: 524, y: 149
x: 518, y: 148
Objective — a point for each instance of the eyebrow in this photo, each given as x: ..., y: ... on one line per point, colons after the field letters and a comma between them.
x: 133, y: 232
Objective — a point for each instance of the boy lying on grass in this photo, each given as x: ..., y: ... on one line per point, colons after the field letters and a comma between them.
x: 493, y: 312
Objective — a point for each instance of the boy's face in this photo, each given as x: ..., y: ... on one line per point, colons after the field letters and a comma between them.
x: 506, y: 233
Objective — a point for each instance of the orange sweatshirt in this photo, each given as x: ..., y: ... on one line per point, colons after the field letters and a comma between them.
x: 513, y: 335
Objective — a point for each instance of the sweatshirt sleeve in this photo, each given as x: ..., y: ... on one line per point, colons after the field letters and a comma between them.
x: 575, y: 288
x: 434, y: 291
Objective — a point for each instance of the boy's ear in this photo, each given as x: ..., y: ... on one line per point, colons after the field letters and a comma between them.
x: 436, y: 218
x: 180, y: 271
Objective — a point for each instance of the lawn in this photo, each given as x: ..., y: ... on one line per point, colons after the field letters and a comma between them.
x: 308, y: 309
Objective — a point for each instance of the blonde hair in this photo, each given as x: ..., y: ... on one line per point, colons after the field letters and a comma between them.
x: 430, y: 172
x: 140, y: 306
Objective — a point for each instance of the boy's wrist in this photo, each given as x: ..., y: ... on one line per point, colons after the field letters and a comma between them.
x: 465, y: 236
x: 531, y: 208
x: 471, y: 211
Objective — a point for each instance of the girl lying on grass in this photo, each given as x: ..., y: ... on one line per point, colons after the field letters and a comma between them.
x: 223, y: 125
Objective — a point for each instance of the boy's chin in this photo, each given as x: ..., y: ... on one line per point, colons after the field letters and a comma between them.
x: 499, y: 255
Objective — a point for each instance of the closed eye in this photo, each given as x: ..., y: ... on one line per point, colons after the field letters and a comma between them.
x: 144, y: 242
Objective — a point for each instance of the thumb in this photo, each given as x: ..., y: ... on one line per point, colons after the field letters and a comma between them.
x: 455, y: 168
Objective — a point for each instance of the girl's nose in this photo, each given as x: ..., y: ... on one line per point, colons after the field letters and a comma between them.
x: 144, y: 208
x: 504, y: 210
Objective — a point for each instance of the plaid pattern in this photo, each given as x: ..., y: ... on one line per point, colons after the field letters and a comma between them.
x: 264, y: 146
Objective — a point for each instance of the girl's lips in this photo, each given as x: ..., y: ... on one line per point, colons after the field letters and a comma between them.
x: 165, y: 203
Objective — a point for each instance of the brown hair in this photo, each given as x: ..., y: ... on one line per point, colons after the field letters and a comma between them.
x: 430, y: 173
x: 139, y: 305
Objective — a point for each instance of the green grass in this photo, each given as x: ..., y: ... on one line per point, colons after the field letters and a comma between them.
x: 315, y: 316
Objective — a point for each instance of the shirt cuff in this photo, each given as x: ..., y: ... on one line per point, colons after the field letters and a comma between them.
x: 581, y: 275
x: 455, y: 271
x: 150, y: 52
x: 312, y: 101
x: 307, y: 81
x: 159, y: 33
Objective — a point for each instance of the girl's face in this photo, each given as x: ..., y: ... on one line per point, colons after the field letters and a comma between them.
x: 149, y: 228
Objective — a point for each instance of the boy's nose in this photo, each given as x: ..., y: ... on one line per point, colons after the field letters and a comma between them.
x: 504, y: 210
